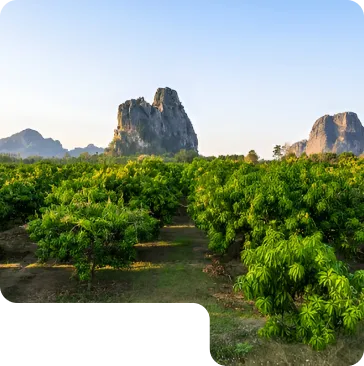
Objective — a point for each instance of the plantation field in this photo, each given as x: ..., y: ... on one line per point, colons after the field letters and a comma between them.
x: 170, y: 270
x: 273, y: 251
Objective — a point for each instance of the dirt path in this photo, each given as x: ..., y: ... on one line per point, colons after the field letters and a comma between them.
x: 181, y: 251
x: 175, y: 269
x: 20, y: 281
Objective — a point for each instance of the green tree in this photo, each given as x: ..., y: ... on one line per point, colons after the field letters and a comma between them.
x: 91, y: 235
x: 281, y: 271
x: 252, y: 157
x: 185, y: 156
x: 288, y: 218
x: 85, y: 156
x: 278, y: 152
x: 290, y: 156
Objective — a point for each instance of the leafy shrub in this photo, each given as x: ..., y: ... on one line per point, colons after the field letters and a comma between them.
x: 305, y: 290
x: 289, y: 218
x: 91, y: 235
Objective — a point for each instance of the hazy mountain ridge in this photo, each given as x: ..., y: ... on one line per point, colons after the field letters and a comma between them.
x: 165, y: 127
x: 31, y: 143
x: 91, y: 149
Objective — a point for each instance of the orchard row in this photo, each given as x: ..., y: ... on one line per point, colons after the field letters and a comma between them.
x: 289, y: 219
x: 87, y: 214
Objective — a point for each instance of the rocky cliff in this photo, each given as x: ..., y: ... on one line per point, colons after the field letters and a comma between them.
x: 31, y: 143
x: 337, y: 134
x: 298, y: 148
x: 154, y: 128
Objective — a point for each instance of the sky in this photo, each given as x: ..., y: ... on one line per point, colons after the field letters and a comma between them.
x: 250, y: 73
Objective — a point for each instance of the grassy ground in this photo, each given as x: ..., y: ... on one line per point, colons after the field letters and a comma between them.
x: 176, y: 269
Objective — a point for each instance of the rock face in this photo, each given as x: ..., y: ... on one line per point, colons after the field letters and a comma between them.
x: 31, y: 143
x: 298, y: 148
x: 337, y: 134
x: 340, y: 133
x: 154, y: 129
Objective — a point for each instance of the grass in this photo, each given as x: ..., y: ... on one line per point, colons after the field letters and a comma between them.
x: 178, y: 269
x: 174, y: 274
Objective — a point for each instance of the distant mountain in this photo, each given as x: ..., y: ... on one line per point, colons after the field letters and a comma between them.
x: 298, y: 148
x: 31, y: 143
x: 91, y: 149
x: 340, y: 133
x: 156, y: 128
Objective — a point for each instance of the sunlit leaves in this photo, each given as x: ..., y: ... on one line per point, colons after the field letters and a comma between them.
x: 296, y: 271
x: 89, y: 213
x: 292, y: 215
x: 351, y: 317
x: 264, y: 304
x: 91, y: 235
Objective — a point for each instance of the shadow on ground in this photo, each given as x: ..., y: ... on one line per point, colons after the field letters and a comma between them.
x: 175, y: 269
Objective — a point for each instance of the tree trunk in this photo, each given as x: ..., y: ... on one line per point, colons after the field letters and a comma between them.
x: 92, y: 276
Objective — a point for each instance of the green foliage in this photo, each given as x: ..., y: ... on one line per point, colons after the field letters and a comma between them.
x: 225, y: 353
x: 305, y: 290
x: 90, y: 214
x: 290, y: 217
x: 252, y: 157
x: 278, y: 152
x: 243, y: 349
x: 185, y: 156
x: 234, y: 199
x: 150, y: 184
x: 91, y: 235
x: 23, y: 189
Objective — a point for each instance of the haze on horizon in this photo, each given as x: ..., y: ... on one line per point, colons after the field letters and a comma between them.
x: 251, y: 74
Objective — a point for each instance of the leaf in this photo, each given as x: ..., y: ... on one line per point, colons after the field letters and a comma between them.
x: 296, y: 271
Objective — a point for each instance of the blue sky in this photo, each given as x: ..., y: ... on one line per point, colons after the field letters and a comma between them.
x: 251, y: 74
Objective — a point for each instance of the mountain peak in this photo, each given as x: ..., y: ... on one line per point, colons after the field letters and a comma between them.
x: 29, y: 133
x: 166, y: 96
x: 30, y: 142
x: 342, y: 132
x: 154, y: 128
